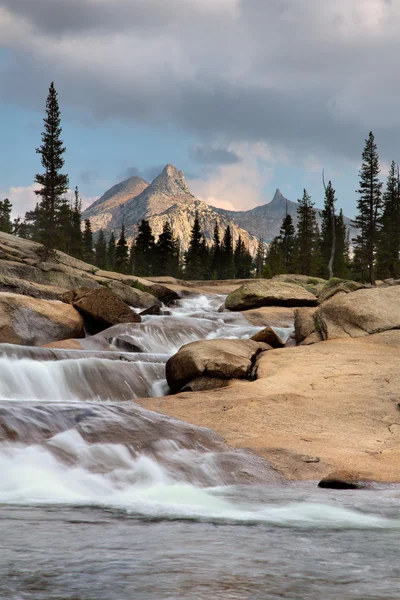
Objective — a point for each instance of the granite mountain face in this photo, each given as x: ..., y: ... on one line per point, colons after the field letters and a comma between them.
x: 166, y: 198
x: 169, y: 198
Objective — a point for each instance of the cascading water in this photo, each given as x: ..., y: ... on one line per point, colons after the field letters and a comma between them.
x: 89, y: 487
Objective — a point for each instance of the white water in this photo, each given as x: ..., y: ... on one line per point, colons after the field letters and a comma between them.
x: 140, y: 485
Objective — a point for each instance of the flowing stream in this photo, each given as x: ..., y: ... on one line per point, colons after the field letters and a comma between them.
x: 103, y: 500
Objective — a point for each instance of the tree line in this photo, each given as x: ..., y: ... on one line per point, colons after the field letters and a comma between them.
x: 56, y: 223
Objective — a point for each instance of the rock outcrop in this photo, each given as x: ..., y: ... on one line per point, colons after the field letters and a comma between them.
x: 32, y: 322
x: 304, y: 323
x: 100, y: 308
x: 265, y: 292
x: 220, y: 358
x: 336, y: 286
x: 342, y: 480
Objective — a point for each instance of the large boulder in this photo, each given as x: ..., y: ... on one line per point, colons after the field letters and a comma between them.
x: 342, y: 480
x: 220, y: 358
x: 265, y: 292
x: 32, y: 322
x: 360, y: 313
x: 133, y: 296
x: 101, y: 308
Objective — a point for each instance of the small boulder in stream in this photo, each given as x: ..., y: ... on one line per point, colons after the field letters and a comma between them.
x: 220, y: 359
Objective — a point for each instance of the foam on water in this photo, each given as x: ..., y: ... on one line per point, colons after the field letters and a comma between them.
x: 112, y: 476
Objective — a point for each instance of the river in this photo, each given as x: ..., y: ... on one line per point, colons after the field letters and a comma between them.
x: 103, y: 500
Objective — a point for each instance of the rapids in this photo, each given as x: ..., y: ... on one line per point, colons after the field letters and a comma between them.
x: 102, y: 499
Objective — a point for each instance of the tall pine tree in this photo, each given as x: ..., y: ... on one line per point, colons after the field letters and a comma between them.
x: 122, y: 253
x: 307, y: 236
x: 111, y: 251
x: 216, y: 254
x: 227, y: 261
x: 259, y: 258
x: 76, y: 243
x: 88, y: 253
x: 53, y: 184
x: 328, y: 232
x: 5, y: 216
x: 101, y: 250
x: 388, y: 252
x: 193, y: 264
x: 287, y: 236
x: 166, y: 253
x: 144, y: 250
x: 369, y: 208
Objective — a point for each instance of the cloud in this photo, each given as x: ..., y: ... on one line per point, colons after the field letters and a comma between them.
x: 208, y: 155
x: 89, y: 176
x: 312, y: 76
x: 23, y: 199
x: 147, y: 173
x: 240, y: 185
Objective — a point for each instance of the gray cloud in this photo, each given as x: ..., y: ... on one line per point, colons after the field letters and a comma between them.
x: 89, y: 176
x: 148, y: 173
x: 207, y: 155
x: 292, y: 73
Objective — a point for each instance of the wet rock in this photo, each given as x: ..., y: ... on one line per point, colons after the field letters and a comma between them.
x: 153, y: 310
x: 220, y: 358
x: 32, y: 322
x: 270, y: 337
x: 342, y: 480
x: 359, y: 313
x: 163, y: 293
x: 101, y: 308
x: 304, y: 323
x: 266, y: 292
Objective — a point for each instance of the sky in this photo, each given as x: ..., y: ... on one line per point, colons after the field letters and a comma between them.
x: 245, y: 96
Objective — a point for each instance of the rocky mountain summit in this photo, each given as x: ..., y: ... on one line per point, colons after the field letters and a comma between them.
x: 169, y: 198
x: 166, y: 198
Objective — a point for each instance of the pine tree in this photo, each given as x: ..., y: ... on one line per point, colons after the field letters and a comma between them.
x: 193, y: 263
x: 243, y: 260
x: 88, y: 254
x: 111, y: 251
x: 122, y: 253
x: 144, y: 251
x: 328, y: 232
x: 5, y: 216
x: 227, y: 262
x: 216, y: 254
x: 53, y: 183
x: 167, y: 253
x: 259, y: 258
x: 76, y: 243
x: 101, y: 250
x: 388, y: 251
x: 341, y: 261
x: 287, y: 236
x: 275, y: 259
x: 307, y: 236
x: 369, y: 207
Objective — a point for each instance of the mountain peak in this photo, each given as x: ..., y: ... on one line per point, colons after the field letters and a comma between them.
x: 170, y: 182
x: 278, y: 198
